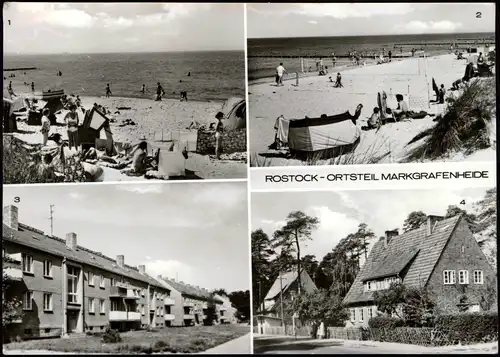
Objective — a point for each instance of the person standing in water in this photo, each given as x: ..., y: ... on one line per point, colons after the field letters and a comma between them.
x: 33, y: 87
x: 219, y: 129
x: 159, y: 92
x: 143, y: 90
x: 72, y: 120
x: 108, y: 91
x: 45, y: 126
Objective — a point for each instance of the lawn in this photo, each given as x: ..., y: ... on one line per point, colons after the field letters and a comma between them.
x: 175, y: 340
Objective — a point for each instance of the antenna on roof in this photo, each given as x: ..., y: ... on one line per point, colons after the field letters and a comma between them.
x: 51, y: 220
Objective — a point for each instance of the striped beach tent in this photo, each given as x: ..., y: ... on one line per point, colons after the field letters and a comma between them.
x: 235, y: 117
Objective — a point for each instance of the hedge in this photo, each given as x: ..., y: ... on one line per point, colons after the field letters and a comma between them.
x: 385, y: 322
x: 469, y: 327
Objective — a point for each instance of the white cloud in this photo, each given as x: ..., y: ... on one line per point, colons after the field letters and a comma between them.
x: 141, y: 188
x: 312, y: 22
x: 170, y: 269
x: 76, y: 195
x: 419, y: 27
x: 343, y: 11
x: 273, y: 224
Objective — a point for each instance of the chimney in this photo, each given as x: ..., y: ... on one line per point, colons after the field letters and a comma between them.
x: 142, y: 269
x: 159, y: 277
x: 431, y: 222
x: 120, y: 260
x: 71, y: 240
x: 10, y: 215
x: 389, y: 235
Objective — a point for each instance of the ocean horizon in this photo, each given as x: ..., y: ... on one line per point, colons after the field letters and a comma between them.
x: 214, y: 75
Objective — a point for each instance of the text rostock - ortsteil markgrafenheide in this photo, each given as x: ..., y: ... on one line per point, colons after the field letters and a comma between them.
x: 396, y: 176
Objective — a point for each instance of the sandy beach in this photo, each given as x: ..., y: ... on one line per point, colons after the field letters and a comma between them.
x: 152, y: 120
x: 316, y: 95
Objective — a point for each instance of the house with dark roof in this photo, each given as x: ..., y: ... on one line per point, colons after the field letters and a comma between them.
x: 66, y: 288
x: 284, y: 288
x: 191, y: 304
x: 441, y: 256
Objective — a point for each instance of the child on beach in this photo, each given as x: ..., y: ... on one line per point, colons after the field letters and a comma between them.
x: 402, y: 109
x: 45, y: 126
x: 280, y: 70
x: 442, y: 92
x: 72, y: 120
x: 139, y: 158
x: 338, y: 83
x: 374, y: 120
x: 184, y: 96
x: 219, y: 129
x: 108, y: 91
x: 33, y: 87
x: 159, y: 92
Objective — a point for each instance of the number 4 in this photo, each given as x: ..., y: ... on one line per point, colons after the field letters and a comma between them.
x: 462, y: 202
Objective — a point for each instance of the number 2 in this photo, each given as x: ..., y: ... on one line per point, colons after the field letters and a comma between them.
x: 479, y: 15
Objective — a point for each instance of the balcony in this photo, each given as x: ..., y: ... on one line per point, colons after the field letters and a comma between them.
x: 188, y: 317
x: 169, y: 301
x: 120, y: 292
x: 124, y: 316
x: 169, y: 317
x: 188, y: 304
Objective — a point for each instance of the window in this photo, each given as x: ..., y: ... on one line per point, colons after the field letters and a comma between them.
x: 448, y: 277
x: 157, y: 311
x: 91, y: 306
x: 28, y: 300
x: 143, y: 292
x: 114, y: 305
x: 102, y: 307
x: 361, y: 315
x: 478, y: 277
x: 102, y: 282
x: 370, y: 313
x: 369, y: 285
x: 387, y: 283
x: 463, y: 277
x: 47, y: 302
x: 73, y: 273
x: 47, y: 268
x: 27, y: 263
x: 113, y: 282
x: 91, y: 278
x: 143, y: 310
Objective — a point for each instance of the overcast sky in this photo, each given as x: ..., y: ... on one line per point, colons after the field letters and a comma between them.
x: 122, y: 27
x: 196, y: 230
x: 309, y: 20
x: 340, y: 213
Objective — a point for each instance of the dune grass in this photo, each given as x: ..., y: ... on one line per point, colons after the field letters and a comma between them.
x: 174, y: 340
x: 463, y: 126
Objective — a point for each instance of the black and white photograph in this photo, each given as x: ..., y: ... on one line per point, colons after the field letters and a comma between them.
x: 106, y: 92
x: 375, y: 272
x: 127, y: 269
x: 361, y: 83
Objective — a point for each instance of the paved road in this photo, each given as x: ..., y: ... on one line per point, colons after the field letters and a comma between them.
x: 240, y: 345
x: 289, y: 345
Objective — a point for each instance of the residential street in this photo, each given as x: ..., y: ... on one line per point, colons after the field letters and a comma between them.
x: 301, y: 345
x: 240, y: 345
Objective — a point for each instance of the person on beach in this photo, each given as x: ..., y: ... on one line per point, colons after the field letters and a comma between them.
x: 219, y: 129
x: 45, y: 126
x: 442, y: 92
x: 184, y: 96
x: 402, y: 110
x: 143, y: 90
x: 159, y: 92
x: 338, y: 83
x: 280, y: 71
x: 33, y: 87
x: 374, y: 120
x: 390, y: 55
x: 72, y: 120
x: 108, y: 91
x: 139, y: 158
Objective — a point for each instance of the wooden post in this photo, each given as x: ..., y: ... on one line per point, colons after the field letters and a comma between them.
x: 297, y: 79
x: 302, y: 64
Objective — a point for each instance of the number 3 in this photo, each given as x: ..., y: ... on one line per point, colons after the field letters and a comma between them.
x: 17, y: 199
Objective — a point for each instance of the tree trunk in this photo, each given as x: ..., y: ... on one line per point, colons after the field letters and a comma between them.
x: 298, y: 260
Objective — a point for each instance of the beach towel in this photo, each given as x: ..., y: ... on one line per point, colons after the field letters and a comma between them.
x: 282, y: 126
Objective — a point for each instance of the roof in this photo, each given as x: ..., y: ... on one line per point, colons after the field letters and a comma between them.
x: 415, y: 248
x: 287, y: 279
x: 36, y: 239
x: 189, y: 290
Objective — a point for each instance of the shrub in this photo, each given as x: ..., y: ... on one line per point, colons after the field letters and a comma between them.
x: 111, y: 336
x: 464, y: 125
x: 385, y: 322
x: 470, y: 327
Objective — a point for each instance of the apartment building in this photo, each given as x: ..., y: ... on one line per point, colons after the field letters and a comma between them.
x: 441, y: 256
x: 227, y: 313
x: 66, y: 288
x: 191, y: 303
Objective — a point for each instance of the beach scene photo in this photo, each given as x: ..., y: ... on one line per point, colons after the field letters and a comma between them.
x: 350, y: 84
x: 123, y: 92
